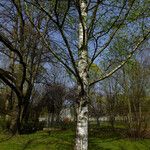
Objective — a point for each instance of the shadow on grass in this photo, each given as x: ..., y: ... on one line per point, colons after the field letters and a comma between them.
x: 107, y: 133
x: 146, y: 145
x: 54, y: 141
x: 27, y: 144
x: 7, y: 138
x: 104, y: 134
x: 96, y: 146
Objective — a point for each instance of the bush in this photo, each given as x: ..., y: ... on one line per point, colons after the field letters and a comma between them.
x: 28, y: 128
x: 4, y: 125
x: 65, y: 123
x: 41, y: 125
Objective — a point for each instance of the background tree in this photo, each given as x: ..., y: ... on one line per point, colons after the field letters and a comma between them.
x: 26, y: 56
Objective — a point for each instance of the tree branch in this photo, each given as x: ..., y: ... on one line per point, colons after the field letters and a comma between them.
x: 10, y: 81
x: 123, y: 62
x: 114, y: 33
x: 76, y: 73
x: 8, y: 44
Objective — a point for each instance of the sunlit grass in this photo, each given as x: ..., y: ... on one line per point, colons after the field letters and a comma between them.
x: 64, y: 140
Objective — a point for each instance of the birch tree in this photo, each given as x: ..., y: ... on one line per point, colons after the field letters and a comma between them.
x: 84, y: 32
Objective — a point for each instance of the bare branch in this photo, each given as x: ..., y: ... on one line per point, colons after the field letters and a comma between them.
x: 8, y: 44
x: 114, y: 33
x: 123, y: 62
x: 6, y: 77
x: 76, y: 73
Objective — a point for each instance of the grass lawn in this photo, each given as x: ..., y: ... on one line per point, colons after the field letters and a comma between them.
x: 64, y: 140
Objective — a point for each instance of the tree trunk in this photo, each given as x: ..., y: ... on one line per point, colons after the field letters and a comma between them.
x: 16, y: 124
x: 15, y: 119
x: 82, y: 125
x: 25, y: 112
x: 82, y: 103
x: 9, y: 99
x: 112, y: 122
x: 98, y: 122
x: 49, y: 119
x: 7, y: 117
x: 52, y: 119
x: 58, y: 118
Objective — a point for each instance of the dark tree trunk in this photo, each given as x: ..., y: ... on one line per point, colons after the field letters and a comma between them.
x: 15, y: 124
x: 98, y: 122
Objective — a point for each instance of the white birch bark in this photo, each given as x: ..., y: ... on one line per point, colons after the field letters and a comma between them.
x: 82, y: 106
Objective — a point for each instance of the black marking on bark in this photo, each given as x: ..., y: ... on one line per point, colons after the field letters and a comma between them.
x: 84, y: 103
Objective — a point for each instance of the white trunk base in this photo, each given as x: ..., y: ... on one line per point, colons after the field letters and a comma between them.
x: 82, y: 129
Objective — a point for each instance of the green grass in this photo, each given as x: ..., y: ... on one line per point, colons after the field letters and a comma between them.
x: 64, y: 140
